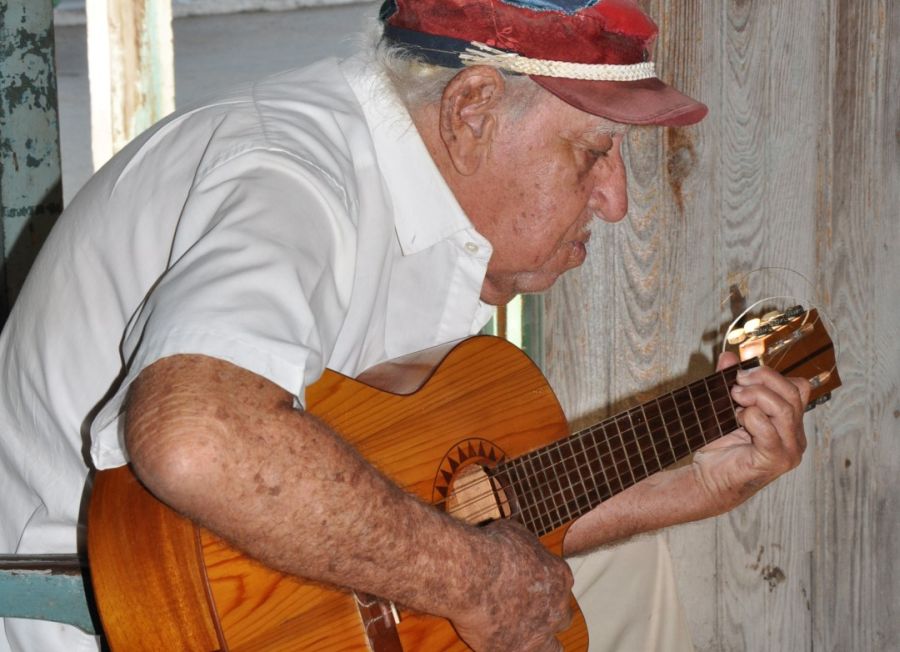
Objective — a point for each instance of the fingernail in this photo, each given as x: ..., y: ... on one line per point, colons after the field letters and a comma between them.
x: 737, y: 389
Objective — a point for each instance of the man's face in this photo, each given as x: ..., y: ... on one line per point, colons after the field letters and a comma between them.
x: 547, y: 175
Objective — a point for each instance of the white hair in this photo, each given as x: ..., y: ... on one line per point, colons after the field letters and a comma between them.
x: 418, y: 83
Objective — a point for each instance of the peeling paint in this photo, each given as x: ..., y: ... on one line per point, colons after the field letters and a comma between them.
x: 30, y: 182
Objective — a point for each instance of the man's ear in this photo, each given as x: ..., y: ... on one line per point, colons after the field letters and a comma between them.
x: 469, y: 114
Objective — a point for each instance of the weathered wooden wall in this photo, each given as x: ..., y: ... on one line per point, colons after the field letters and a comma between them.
x: 797, y: 166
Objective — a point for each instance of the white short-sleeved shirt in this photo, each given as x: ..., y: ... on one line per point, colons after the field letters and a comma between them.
x: 296, y: 224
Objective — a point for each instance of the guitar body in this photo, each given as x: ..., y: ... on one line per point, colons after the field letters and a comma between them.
x: 163, y: 583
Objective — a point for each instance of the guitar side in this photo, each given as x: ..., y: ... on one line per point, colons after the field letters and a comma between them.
x: 484, y: 400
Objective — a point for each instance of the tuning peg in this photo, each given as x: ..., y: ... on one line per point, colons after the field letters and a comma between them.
x: 775, y: 318
x: 819, y: 379
x: 751, y: 326
x: 824, y: 398
x: 736, y: 336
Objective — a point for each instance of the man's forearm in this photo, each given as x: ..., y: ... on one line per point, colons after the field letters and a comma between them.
x: 662, y: 500
x: 279, y: 484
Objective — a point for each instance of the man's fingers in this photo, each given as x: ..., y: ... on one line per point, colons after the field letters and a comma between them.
x: 553, y: 645
x: 772, y: 412
x: 788, y: 389
x: 727, y: 359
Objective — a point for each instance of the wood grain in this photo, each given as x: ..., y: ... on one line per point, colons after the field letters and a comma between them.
x: 797, y: 166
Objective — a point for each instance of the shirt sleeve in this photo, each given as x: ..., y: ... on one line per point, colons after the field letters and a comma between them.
x: 259, y: 275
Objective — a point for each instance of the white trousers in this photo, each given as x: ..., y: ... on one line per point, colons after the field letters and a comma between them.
x: 628, y: 596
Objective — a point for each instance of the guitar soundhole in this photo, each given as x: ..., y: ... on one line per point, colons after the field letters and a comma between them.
x: 464, y: 487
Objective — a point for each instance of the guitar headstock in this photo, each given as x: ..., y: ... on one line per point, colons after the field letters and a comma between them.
x: 794, y: 343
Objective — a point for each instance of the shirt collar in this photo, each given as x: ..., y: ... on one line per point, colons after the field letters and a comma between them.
x: 425, y: 209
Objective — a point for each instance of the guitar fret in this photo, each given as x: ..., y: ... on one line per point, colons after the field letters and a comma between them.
x: 706, y: 414
x: 570, y: 492
x: 605, y: 429
x: 539, y: 513
x: 551, y: 506
x: 635, y: 440
x: 624, y: 450
x: 729, y: 379
x: 517, y: 486
x: 667, y: 407
x: 608, y: 437
x: 640, y: 433
x: 675, y: 435
x: 652, y: 437
x: 581, y: 494
x: 596, y: 462
x: 531, y: 493
x: 586, y: 490
x: 688, y: 416
x: 695, y: 394
x: 592, y: 476
x: 558, y: 490
x: 713, y: 410
x: 657, y: 427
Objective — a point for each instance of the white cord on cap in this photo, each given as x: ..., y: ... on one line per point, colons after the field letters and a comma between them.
x: 481, y: 54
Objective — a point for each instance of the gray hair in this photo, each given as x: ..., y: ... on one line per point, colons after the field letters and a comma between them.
x: 419, y: 83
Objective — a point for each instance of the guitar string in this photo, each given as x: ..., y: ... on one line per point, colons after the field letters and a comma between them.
x: 640, y: 444
x: 525, y: 489
x: 542, y: 502
x: 568, y: 504
x: 612, y: 453
x: 613, y: 449
x: 686, y: 403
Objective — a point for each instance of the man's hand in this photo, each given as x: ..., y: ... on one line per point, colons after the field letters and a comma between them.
x: 770, y: 442
x: 722, y: 475
x: 526, y: 597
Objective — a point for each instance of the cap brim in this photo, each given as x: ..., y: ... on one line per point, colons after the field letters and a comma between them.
x: 642, y: 102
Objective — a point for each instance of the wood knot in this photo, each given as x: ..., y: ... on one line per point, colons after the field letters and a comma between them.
x: 680, y: 161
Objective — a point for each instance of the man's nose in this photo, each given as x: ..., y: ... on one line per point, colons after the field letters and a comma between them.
x: 609, y: 199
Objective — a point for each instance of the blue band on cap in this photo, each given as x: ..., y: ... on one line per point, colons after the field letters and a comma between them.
x: 438, y: 50
x: 565, y: 6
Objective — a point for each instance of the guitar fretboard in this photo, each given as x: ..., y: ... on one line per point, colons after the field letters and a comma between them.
x: 556, y: 484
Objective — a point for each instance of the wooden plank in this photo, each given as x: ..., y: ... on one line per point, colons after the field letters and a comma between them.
x: 858, y: 456
x: 131, y: 66
x: 886, y: 356
x: 744, y: 42
x: 771, y: 117
x: 689, y: 287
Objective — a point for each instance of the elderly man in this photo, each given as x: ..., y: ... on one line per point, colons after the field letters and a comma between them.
x: 335, y: 217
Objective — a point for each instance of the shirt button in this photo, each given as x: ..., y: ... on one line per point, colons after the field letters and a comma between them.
x: 472, y: 248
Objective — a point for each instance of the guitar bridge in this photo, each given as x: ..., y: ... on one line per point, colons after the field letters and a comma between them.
x: 379, y: 619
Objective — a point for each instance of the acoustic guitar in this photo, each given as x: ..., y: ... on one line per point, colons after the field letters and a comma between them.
x: 473, y: 429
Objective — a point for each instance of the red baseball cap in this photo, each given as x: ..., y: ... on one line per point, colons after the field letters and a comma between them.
x: 593, y: 54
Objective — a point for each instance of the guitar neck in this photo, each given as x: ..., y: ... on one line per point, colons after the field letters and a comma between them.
x: 556, y: 484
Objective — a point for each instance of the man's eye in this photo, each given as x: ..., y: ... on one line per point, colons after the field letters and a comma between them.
x: 594, y: 154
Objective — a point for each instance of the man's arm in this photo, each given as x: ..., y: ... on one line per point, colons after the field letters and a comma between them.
x: 227, y: 448
x: 721, y: 476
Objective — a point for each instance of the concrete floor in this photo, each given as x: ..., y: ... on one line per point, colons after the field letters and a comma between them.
x: 211, y: 53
